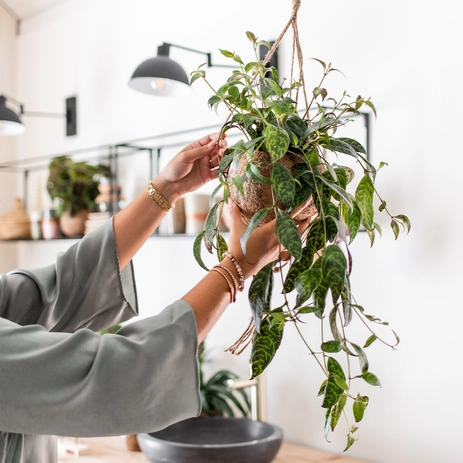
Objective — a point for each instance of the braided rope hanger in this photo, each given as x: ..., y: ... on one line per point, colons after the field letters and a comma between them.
x: 296, y: 49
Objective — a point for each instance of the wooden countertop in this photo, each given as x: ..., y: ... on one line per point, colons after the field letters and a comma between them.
x: 114, y: 450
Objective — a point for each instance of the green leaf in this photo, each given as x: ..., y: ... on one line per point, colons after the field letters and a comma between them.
x: 255, y: 221
x: 370, y: 378
x: 339, y: 190
x: 251, y: 37
x: 260, y: 293
x: 370, y: 341
x: 288, y: 234
x: 214, y: 99
x: 319, y: 295
x: 253, y: 173
x: 350, y: 442
x: 363, y: 360
x: 277, y: 142
x: 296, y: 125
x: 265, y: 346
x: 334, y: 265
x: 226, y: 53
x: 347, y: 303
x: 298, y: 267
x: 238, y: 182
x: 395, y: 228
x: 332, y: 393
x: 335, y: 368
x: 353, y: 221
x: 341, y: 382
x: 305, y: 284
x: 359, y: 406
x: 327, y: 426
x: 222, y: 246
x: 364, y: 197
x: 197, y: 250
x: 283, y: 183
x: 340, y: 146
x: 337, y: 410
x: 316, y: 236
x: 333, y: 324
x: 197, y: 75
x: 211, y: 223
x: 331, y: 346
x: 354, y: 144
x: 405, y: 221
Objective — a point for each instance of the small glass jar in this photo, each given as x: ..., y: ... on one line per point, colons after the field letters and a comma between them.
x: 50, y: 225
x: 36, y: 225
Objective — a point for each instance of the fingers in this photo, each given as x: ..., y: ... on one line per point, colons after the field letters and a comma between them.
x: 205, y: 141
x: 237, y: 223
x: 213, y: 149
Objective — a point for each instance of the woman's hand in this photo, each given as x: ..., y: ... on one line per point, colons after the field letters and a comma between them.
x: 191, y: 168
x: 262, y: 245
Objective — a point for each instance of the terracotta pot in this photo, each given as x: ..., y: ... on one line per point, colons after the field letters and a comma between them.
x: 73, y: 226
x: 257, y: 195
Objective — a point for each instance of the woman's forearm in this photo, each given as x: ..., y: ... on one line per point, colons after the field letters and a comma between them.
x: 134, y: 224
x: 208, y: 299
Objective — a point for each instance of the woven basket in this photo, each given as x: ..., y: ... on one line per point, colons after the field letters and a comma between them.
x: 15, y: 224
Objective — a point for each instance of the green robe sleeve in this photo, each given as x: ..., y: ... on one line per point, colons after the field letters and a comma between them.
x: 84, y: 288
x: 59, y: 377
x: 141, y: 379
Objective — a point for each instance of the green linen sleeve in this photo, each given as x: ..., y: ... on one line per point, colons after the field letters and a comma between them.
x: 84, y: 288
x: 141, y: 379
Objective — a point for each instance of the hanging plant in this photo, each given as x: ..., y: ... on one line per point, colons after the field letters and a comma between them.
x: 283, y: 160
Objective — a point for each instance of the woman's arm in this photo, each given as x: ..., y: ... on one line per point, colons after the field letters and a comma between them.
x: 186, y: 172
x: 211, y: 296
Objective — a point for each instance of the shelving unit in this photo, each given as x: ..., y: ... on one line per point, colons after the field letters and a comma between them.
x: 109, y: 154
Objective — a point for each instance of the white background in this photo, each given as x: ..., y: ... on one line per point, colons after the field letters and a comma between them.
x: 406, y: 55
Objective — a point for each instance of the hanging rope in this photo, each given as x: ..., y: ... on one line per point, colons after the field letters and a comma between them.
x: 296, y: 49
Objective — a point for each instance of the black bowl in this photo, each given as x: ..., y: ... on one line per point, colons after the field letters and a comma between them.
x: 213, y: 440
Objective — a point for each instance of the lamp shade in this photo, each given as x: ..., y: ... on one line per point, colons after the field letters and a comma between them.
x: 10, y: 124
x: 160, y: 76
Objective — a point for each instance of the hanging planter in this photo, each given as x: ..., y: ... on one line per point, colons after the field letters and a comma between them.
x: 282, y: 160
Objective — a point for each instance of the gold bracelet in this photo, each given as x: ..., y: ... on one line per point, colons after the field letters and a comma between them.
x: 235, y: 284
x: 230, y: 287
x: 158, y: 198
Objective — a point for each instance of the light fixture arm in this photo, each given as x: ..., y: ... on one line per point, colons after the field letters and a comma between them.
x: 70, y: 114
x: 20, y: 105
x: 165, y: 47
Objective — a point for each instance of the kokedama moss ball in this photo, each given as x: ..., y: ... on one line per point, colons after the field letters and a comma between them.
x: 257, y: 196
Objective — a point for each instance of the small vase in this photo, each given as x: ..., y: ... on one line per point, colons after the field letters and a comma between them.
x: 73, y: 225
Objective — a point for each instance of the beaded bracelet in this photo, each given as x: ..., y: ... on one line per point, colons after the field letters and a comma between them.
x: 235, y: 284
x: 238, y: 269
x: 230, y: 287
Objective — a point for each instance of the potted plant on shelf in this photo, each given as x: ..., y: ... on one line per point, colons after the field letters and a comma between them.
x: 75, y: 185
x: 217, y: 397
x: 290, y: 153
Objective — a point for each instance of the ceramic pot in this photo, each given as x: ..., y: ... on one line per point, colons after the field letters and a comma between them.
x: 73, y: 225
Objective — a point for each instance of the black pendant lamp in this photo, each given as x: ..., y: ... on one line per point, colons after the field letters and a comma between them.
x: 10, y: 123
x: 160, y: 75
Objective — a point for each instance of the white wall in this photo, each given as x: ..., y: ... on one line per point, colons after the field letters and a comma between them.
x: 407, y: 56
x: 7, y: 144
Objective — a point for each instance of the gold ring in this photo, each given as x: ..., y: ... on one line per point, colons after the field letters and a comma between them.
x: 210, y: 164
